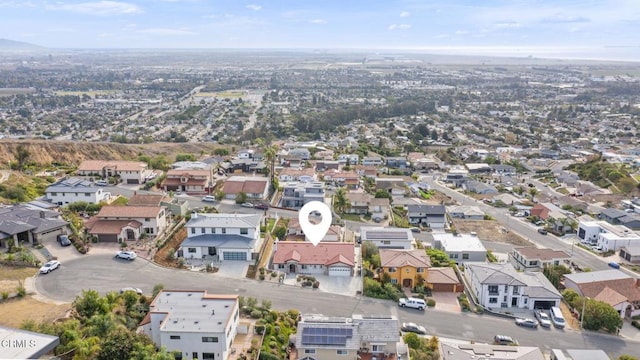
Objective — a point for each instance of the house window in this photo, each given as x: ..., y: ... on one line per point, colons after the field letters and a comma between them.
x: 280, y: 266
x: 525, y: 300
x: 453, y: 256
x: 377, y: 348
x: 191, y: 250
x: 493, y: 289
x: 420, y: 270
x: 533, y: 263
x: 392, y: 269
x: 505, y: 298
x: 304, y: 266
x: 465, y: 256
x: 54, y: 194
x: 208, y: 356
x: 386, y: 242
x: 87, y: 194
x: 213, y: 230
x: 244, y: 231
x: 493, y: 300
x: 202, y: 230
x: 194, y: 355
x: 147, y: 219
x: 309, y: 351
x: 224, y: 230
x: 394, y: 281
x: 516, y: 290
x: 193, y: 230
x: 342, y: 352
x: 209, y: 339
x: 174, y: 337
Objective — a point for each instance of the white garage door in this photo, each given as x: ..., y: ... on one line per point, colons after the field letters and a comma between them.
x: 340, y: 271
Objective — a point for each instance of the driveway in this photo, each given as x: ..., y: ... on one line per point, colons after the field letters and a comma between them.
x: 446, y: 301
x: 233, y: 269
x: 62, y: 253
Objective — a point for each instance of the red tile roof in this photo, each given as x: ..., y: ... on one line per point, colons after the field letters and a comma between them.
x: 112, y: 227
x: 129, y: 212
x: 322, y: 254
x: 399, y: 258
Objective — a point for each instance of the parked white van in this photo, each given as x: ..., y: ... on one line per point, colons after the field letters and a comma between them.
x: 414, y: 303
x: 556, y: 317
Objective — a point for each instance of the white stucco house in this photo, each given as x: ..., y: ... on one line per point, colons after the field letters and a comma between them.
x: 67, y: 191
x: 606, y: 236
x: 501, y: 286
x: 387, y: 237
x: 461, y: 247
x: 222, y: 237
x: 197, y: 324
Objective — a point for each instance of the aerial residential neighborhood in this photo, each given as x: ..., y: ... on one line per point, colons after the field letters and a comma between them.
x: 479, y: 208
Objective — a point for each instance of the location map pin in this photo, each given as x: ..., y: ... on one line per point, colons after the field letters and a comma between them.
x: 315, y: 232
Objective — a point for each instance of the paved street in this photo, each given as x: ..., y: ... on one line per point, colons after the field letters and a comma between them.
x: 103, y: 273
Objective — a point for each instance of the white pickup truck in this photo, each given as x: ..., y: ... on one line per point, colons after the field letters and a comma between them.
x: 414, y: 303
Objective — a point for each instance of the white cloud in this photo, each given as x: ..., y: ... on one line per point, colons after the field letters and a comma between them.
x: 167, y: 32
x: 462, y: 32
x: 393, y: 27
x: 99, y: 8
x: 508, y: 25
x: 318, y: 21
x: 254, y: 7
x: 405, y: 14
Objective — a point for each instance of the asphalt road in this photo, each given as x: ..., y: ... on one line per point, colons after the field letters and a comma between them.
x: 105, y: 273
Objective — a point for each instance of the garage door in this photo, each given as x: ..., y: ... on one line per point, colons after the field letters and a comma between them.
x: 133, y: 181
x: 340, y: 271
x: 541, y: 304
x: 233, y: 255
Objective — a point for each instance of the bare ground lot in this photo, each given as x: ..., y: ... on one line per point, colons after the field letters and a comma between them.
x: 13, y: 312
x: 490, y: 230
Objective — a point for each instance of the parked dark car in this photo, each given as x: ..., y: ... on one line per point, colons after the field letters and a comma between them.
x: 64, y: 240
x: 261, y: 206
x: 542, y: 231
x: 614, y: 265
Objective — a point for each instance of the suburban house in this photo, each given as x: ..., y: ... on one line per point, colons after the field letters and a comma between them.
x: 291, y: 174
x: 302, y: 153
x: 120, y: 223
x: 468, y: 212
x: 361, y: 337
x: 347, y: 179
x: 372, y: 161
x: 351, y: 159
x: 387, y: 237
x: 67, y: 191
x: 295, y: 232
x: 531, y: 258
x: 618, y: 217
x: 405, y: 267
x: 363, y: 203
x: 175, y: 206
x: 222, y: 237
x: 501, y: 169
x: 325, y: 165
x: 611, y: 286
x: 501, y: 286
x: 457, y: 176
x: 254, y: 187
x: 367, y: 171
x: 196, y: 324
x: 479, y: 187
x: 394, y: 186
x: 23, y: 224
x: 555, y: 217
x: 444, y: 279
x: 461, y: 247
x: 192, y: 182
x: 466, y: 351
x: 129, y: 172
x: 631, y: 253
x: 432, y: 216
x: 397, y: 162
x: 606, y: 236
x: 302, y: 257
x: 296, y: 194
x: 420, y: 161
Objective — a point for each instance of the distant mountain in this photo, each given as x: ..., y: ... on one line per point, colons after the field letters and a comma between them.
x: 6, y: 44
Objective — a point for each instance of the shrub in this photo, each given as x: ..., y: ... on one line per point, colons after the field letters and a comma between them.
x: 316, y: 284
x: 636, y: 324
x: 273, y: 274
x: 261, y: 270
x: 431, y: 302
x: 21, y: 291
x: 5, y: 295
x: 256, y: 314
x: 261, y: 276
x: 259, y: 329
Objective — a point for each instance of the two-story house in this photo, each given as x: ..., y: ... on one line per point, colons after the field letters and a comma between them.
x: 120, y: 223
x: 349, y: 159
x: 531, y: 258
x: 357, y: 337
x: 347, y: 179
x: 296, y: 194
x: 604, y: 235
x: 618, y: 217
x: 196, y: 324
x: 295, y: 232
x: 303, y: 257
x: 372, y: 161
x: 387, y: 237
x: 222, y: 237
x: 432, y: 216
x: 129, y: 172
x: 67, y: 191
x: 501, y: 286
x: 192, y: 182
x: 460, y: 248
x: 304, y: 175
x: 406, y: 267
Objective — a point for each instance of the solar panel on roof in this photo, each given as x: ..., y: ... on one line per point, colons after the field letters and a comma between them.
x: 326, y: 336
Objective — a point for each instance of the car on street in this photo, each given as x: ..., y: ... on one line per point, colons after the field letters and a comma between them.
x: 414, y: 328
x: 411, y: 302
x: 504, y: 340
x: 49, y: 266
x: 136, y: 290
x: 415, y: 230
x: 527, y: 322
x: 542, y: 231
x: 209, y: 198
x: 247, y: 205
x: 126, y: 255
x: 614, y: 265
x: 63, y: 240
x: 261, y: 206
x: 102, y: 183
x: 543, y: 318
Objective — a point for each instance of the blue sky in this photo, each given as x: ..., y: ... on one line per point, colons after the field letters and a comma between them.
x: 548, y: 28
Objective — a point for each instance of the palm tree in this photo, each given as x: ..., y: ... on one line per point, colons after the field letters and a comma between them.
x: 340, y: 201
x: 269, y: 151
x: 533, y: 192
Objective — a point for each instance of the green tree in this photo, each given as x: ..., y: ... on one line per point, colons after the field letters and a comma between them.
x: 599, y: 315
x: 533, y: 192
x: 340, y: 202
x: 439, y: 258
x: 382, y: 194
x: 627, y: 357
x: 89, y: 303
x: 280, y: 232
x: 412, y: 340
x: 22, y: 155
x: 241, y: 198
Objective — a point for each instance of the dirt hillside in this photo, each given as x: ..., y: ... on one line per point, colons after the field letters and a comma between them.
x: 45, y: 152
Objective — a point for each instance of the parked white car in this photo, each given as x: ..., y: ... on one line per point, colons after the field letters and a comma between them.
x: 413, y: 303
x: 49, y: 266
x: 126, y: 255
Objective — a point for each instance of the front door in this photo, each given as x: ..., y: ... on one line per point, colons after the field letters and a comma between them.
x: 406, y: 283
x: 292, y: 268
x: 514, y: 302
x: 213, y: 251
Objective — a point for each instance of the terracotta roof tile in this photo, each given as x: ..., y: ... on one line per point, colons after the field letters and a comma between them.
x: 400, y: 258
x: 112, y: 227
x: 129, y: 212
x: 445, y: 275
x: 308, y: 254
